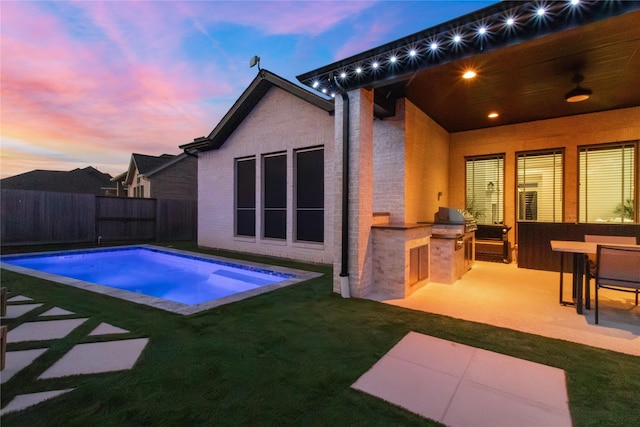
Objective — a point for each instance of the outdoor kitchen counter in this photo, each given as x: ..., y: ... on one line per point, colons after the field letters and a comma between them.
x: 400, y: 258
x: 452, y: 255
x: 401, y: 226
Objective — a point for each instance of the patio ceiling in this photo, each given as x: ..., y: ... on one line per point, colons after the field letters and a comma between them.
x: 522, y: 81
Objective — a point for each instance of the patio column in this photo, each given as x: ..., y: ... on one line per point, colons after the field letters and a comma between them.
x: 360, y: 192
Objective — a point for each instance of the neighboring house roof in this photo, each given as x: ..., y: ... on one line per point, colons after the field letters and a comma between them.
x: 258, y: 88
x: 149, y: 165
x: 88, y: 180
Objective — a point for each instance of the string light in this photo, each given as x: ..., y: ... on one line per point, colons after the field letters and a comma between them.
x: 465, y: 39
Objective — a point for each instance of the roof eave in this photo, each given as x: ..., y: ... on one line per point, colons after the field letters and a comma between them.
x: 327, y: 78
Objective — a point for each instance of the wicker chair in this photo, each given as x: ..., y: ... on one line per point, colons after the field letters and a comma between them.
x: 618, y: 269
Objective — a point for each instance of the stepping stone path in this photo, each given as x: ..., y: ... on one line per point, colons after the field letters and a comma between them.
x: 82, y: 359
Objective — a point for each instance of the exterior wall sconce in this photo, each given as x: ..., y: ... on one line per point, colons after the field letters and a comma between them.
x: 491, y: 186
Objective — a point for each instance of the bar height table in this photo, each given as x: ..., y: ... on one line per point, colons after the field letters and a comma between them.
x: 579, y: 250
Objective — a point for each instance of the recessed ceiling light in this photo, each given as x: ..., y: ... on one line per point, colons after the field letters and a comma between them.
x: 374, y: 65
x: 469, y: 74
x: 358, y: 70
x: 413, y: 52
x: 315, y: 84
x: 434, y: 46
x: 482, y: 30
x: 343, y: 75
x: 457, y: 38
x: 493, y: 115
x: 393, y: 59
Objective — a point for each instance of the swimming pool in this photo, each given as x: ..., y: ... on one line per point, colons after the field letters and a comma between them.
x: 177, y: 281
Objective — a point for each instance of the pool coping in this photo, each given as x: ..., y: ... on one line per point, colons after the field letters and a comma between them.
x: 159, y: 303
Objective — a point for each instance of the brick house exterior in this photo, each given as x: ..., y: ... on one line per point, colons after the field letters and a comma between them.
x: 166, y: 177
x: 273, y: 116
x: 403, y: 162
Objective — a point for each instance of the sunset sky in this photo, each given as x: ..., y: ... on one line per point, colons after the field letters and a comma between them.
x: 88, y: 83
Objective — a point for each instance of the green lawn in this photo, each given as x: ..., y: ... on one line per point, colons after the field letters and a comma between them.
x: 283, y: 358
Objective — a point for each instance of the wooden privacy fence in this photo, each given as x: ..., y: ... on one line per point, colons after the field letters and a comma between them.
x: 38, y: 217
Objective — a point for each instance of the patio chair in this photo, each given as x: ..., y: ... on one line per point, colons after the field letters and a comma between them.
x: 592, y: 259
x: 618, y: 269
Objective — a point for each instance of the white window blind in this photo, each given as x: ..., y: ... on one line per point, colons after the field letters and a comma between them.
x: 607, y: 183
x: 485, y: 188
x: 540, y: 186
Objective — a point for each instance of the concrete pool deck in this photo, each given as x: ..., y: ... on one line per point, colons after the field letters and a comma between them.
x: 164, y: 304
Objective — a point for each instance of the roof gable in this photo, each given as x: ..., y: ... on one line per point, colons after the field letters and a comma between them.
x: 148, y: 165
x: 258, y: 88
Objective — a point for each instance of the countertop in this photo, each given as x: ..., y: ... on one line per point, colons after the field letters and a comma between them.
x: 401, y: 226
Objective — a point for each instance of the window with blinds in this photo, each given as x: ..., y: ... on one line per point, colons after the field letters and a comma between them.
x: 485, y: 188
x: 540, y: 187
x: 245, y: 218
x: 608, y: 183
x: 309, y: 201
x: 274, y: 194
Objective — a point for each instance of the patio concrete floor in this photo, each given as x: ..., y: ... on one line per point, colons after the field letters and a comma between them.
x: 527, y: 300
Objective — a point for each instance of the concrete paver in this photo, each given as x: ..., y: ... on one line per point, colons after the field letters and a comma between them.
x: 93, y: 358
x: 43, y: 330
x: 462, y: 386
x: 15, y: 311
x: 56, y: 311
x: 23, y: 401
x: 106, y: 329
x: 86, y: 358
x: 18, y: 360
x: 19, y: 298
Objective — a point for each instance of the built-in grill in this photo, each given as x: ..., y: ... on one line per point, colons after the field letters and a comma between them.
x: 450, y: 221
x: 452, y: 225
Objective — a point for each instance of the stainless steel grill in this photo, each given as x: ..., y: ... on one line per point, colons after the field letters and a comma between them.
x: 450, y: 221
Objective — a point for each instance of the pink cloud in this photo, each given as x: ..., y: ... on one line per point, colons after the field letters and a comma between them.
x: 62, y: 94
x: 98, y: 80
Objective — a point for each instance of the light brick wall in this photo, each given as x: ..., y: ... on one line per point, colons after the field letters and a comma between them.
x: 281, y: 122
x: 568, y: 132
x: 389, y: 165
x: 391, y: 258
x: 360, y: 192
x: 427, y: 166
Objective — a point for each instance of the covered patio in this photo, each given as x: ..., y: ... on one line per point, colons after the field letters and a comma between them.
x: 527, y: 300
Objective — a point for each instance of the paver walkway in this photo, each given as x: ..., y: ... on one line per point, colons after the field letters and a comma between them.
x: 462, y: 386
x: 83, y: 358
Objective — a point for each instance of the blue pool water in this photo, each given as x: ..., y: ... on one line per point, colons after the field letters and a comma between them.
x: 171, y: 276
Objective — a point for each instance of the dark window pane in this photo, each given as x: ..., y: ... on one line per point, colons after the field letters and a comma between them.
x: 310, y: 226
x: 275, y: 182
x: 275, y: 224
x: 246, y: 183
x: 246, y: 222
x: 310, y: 179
